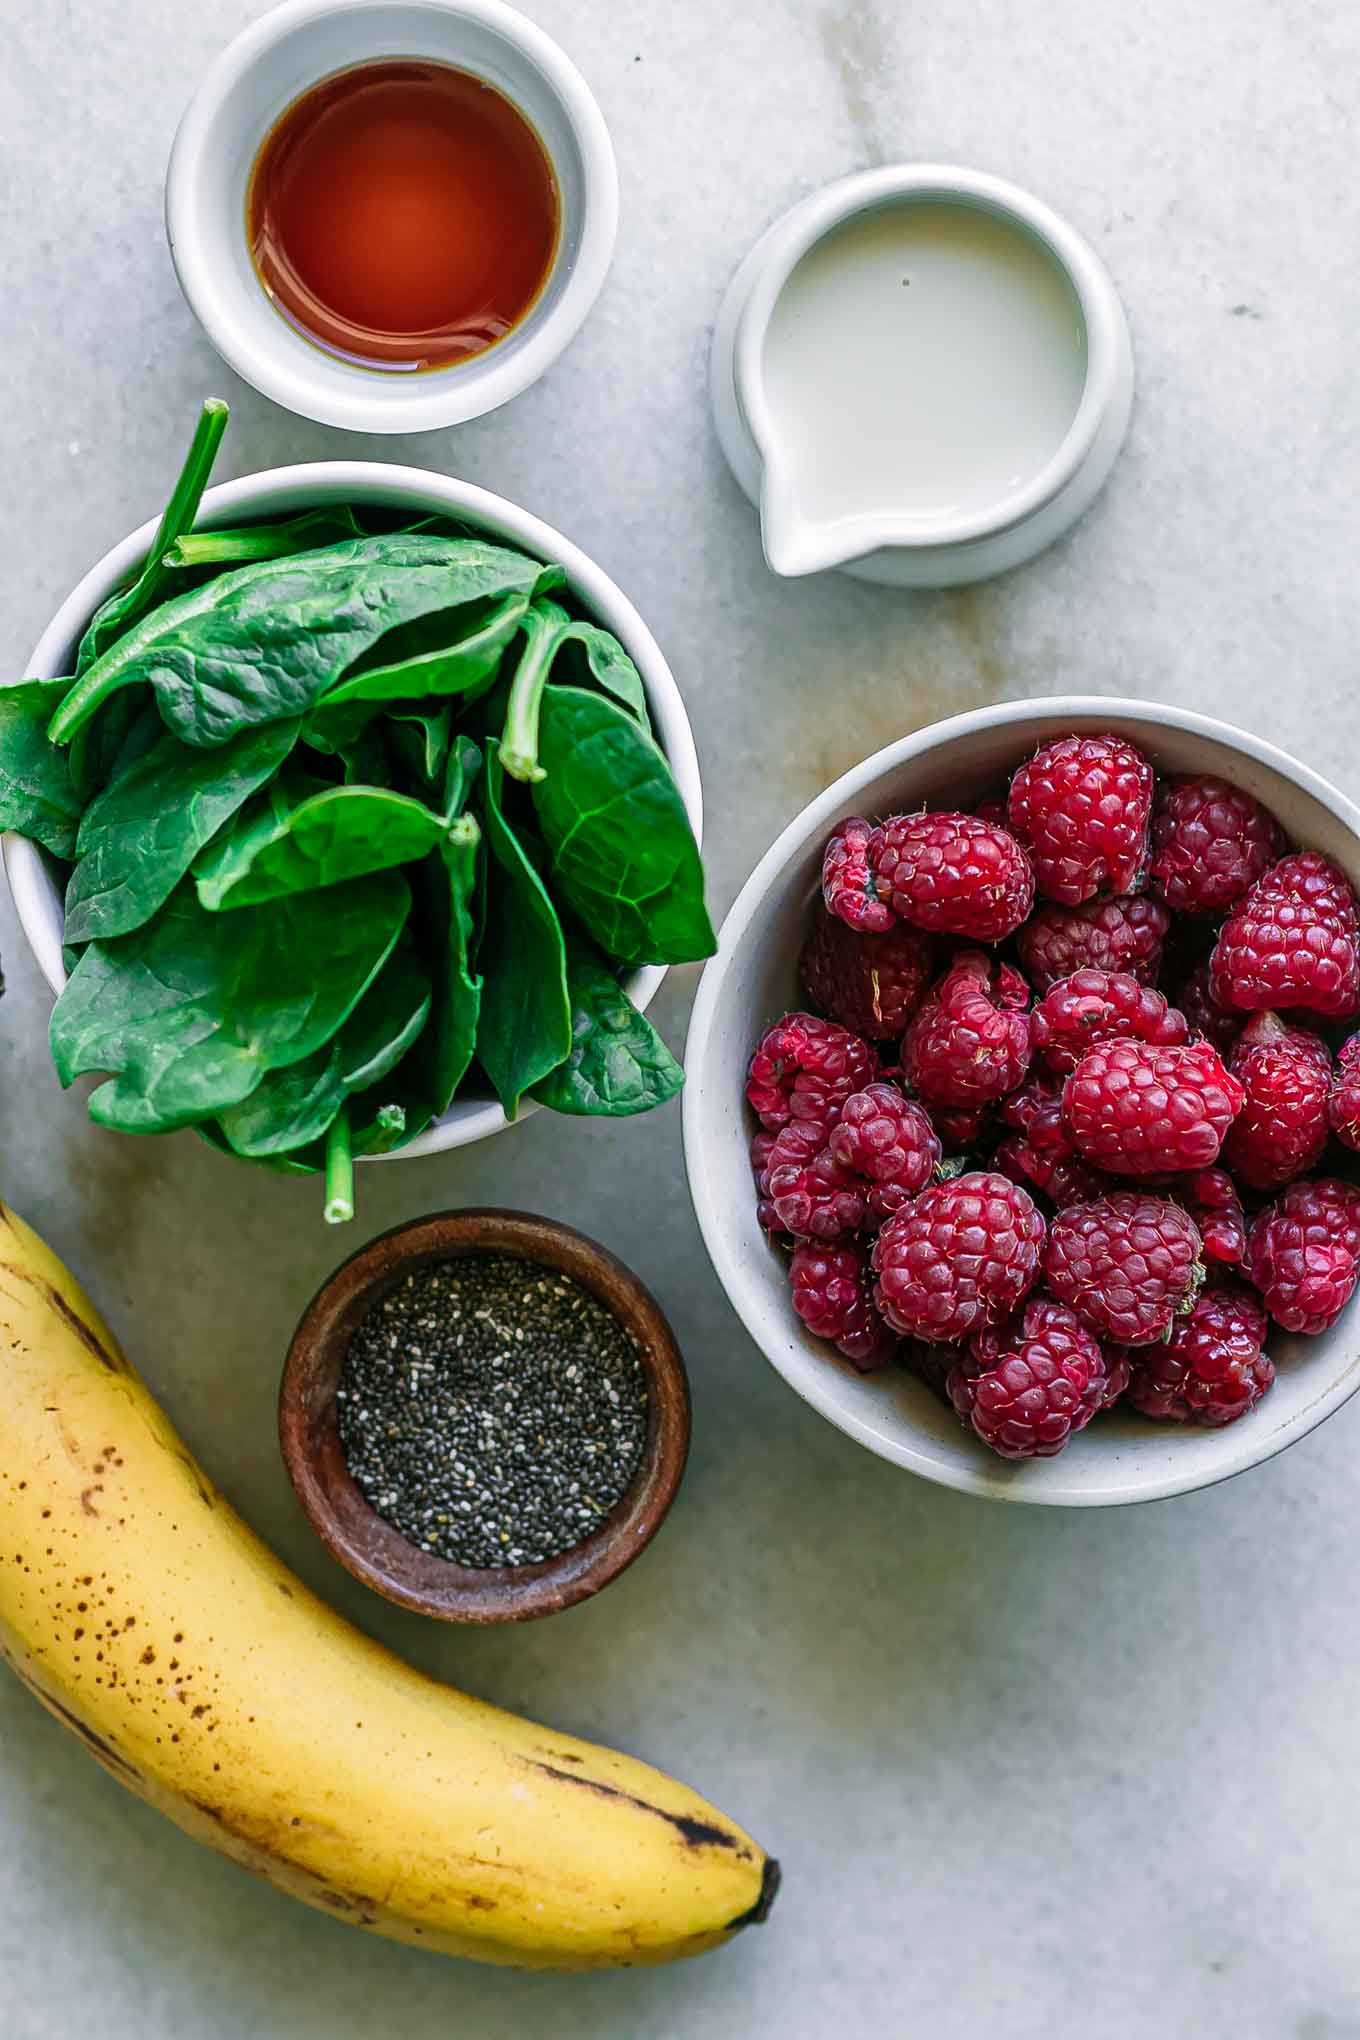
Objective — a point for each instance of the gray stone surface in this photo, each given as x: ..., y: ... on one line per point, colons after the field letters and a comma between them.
x: 1030, y: 1774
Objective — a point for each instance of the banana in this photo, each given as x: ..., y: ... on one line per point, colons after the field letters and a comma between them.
x: 148, y: 1618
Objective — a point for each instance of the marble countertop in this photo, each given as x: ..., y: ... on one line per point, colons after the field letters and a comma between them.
x: 1030, y: 1774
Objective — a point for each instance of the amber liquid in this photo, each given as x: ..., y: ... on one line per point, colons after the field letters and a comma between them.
x: 403, y: 215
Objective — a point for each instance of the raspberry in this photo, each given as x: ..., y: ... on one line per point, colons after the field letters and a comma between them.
x: 1063, y: 1179
x: 1139, y: 1111
x: 1212, y: 1201
x: 805, y: 1068
x: 1309, y: 879
x: 1301, y: 1253
x: 1282, y: 1127
x: 1343, y: 1105
x: 1211, y: 1370
x: 762, y: 1146
x: 1219, y: 1024
x: 832, y: 1294
x: 1126, y: 1264
x: 1210, y: 843
x: 969, y: 1043
x: 1118, y: 1374
x: 930, y: 1364
x: 1044, y: 1387
x: 1081, y: 806
x: 1041, y: 1153
x: 954, y: 874
x: 888, y: 1141
x: 871, y: 984
x: 810, y: 1193
x: 1036, y: 1110
x: 961, y: 1127
x: 1291, y: 941
x: 848, y: 883
x: 1110, y: 935
x: 1100, y: 1005
x: 960, y: 1256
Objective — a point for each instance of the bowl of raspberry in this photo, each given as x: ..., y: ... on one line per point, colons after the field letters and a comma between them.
x: 1022, y: 1118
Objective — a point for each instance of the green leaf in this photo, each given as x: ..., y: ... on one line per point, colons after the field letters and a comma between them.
x: 524, y: 1029
x: 126, y: 605
x: 466, y: 662
x: 460, y: 776
x: 190, y: 1011
x: 122, y: 730
x: 267, y: 641
x: 622, y: 854
x: 611, y: 668
x: 444, y: 1051
x: 293, y: 1106
x: 547, y: 630
x: 618, y: 1064
x: 36, y: 794
x: 139, y: 837
x: 420, y: 739
x: 244, y: 543
x: 338, y: 833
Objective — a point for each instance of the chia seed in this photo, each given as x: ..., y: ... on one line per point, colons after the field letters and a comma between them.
x: 491, y: 1410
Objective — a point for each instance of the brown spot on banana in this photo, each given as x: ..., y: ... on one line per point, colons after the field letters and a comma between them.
x: 56, y: 1302
x: 98, y: 1745
x: 696, y: 1834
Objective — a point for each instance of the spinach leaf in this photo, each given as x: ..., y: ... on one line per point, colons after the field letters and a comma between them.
x: 364, y: 760
x: 524, y: 1028
x: 622, y: 853
x: 139, y: 837
x: 338, y: 833
x: 460, y: 776
x: 547, y: 629
x: 291, y: 1107
x: 444, y: 892
x: 466, y: 662
x: 123, y: 731
x: 618, y: 1064
x: 125, y: 605
x: 239, y: 546
x: 266, y: 641
x: 191, y: 1010
x: 420, y: 740
x: 611, y: 668
x: 36, y: 794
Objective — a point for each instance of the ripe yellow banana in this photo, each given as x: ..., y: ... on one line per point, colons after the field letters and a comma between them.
x: 200, y: 1672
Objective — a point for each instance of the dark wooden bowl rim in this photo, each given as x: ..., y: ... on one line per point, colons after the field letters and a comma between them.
x: 370, y: 1548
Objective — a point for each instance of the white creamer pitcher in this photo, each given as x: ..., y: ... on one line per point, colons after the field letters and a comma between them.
x: 921, y: 375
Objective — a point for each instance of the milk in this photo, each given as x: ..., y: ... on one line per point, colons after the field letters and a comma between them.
x: 921, y: 364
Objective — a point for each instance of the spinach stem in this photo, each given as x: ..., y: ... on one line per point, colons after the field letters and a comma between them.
x: 339, y: 1170
x: 546, y: 628
x: 146, y: 591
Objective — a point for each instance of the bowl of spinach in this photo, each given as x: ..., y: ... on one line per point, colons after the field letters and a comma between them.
x: 351, y: 812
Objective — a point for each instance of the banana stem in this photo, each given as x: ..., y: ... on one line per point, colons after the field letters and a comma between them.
x: 339, y: 1206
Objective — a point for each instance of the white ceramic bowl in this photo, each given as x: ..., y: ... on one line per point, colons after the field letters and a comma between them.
x: 753, y: 978
x: 241, y: 96
x: 282, y: 492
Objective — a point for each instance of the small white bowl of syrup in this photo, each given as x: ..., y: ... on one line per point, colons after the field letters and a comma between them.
x: 392, y: 215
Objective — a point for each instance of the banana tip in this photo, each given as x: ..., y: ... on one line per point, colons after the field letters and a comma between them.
x: 771, y: 1878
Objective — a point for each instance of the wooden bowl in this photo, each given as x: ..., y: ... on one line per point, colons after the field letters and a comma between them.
x: 379, y: 1555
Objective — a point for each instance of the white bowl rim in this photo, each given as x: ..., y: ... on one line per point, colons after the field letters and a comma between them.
x: 374, y: 481
x: 422, y: 403
x: 1248, y: 1447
